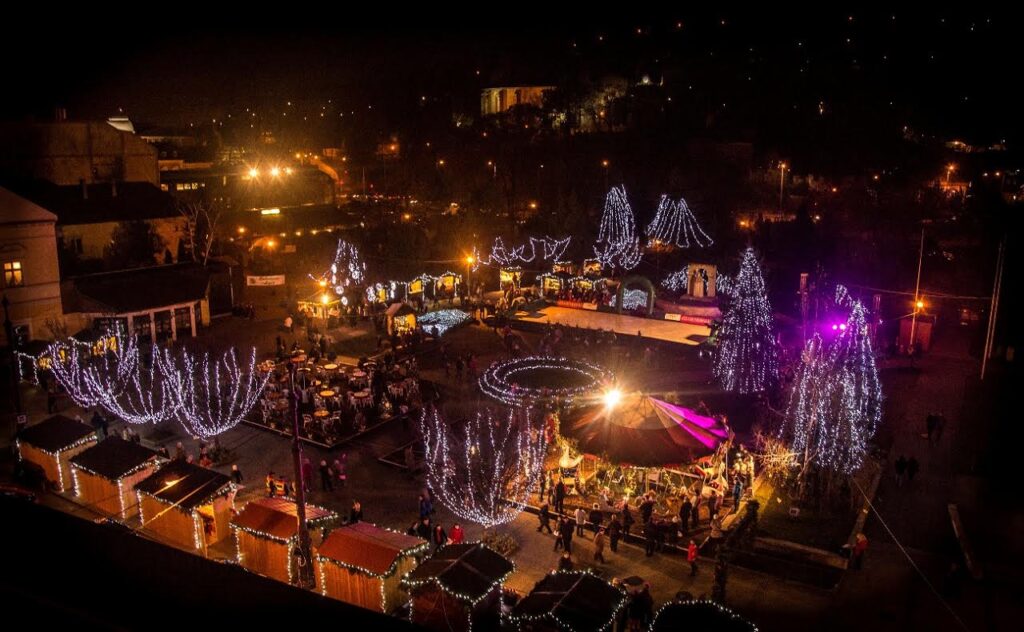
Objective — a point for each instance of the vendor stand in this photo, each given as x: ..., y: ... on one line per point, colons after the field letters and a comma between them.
x: 363, y: 564
x: 186, y: 505
x: 105, y: 475
x: 564, y: 601
x: 51, y: 444
x: 401, y: 319
x: 266, y: 532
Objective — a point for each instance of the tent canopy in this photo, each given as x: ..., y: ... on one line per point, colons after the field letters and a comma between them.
x: 647, y: 432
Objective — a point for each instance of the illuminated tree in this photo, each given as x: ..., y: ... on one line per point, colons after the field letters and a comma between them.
x: 347, y: 269
x: 745, y: 359
x: 674, y: 225
x: 483, y: 469
x: 210, y: 396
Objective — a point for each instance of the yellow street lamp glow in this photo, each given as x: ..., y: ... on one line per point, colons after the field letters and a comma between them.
x: 288, y: 171
x: 325, y: 299
x: 604, y: 163
x: 271, y: 243
x: 275, y: 171
x: 241, y: 230
x: 254, y: 172
x: 612, y: 398
x: 470, y: 259
x: 919, y: 304
x: 322, y: 282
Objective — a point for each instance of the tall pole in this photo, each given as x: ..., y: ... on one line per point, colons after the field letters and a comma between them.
x: 917, y: 292
x: 782, y: 182
x: 997, y: 287
x: 12, y: 345
x: 304, y: 577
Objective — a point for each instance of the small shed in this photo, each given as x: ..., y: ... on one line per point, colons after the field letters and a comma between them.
x: 267, y: 530
x: 401, y: 319
x: 105, y: 475
x: 51, y: 443
x: 458, y: 588
x: 569, y: 600
x: 363, y: 564
x: 187, y: 505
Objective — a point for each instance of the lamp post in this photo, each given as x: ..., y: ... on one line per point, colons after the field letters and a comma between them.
x: 605, y: 164
x: 782, y: 181
x: 918, y: 303
x: 304, y: 577
x: 12, y: 345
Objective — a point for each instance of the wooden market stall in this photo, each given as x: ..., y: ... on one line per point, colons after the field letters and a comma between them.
x: 105, y: 475
x: 400, y: 319
x: 267, y: 530
x: 458, y: 588
x: 51, y: 443
x: 569, y: 600
x: 187, y: 505
x: 363, y: 564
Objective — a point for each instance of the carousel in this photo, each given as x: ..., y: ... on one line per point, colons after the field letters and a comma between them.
x: 636, y: 445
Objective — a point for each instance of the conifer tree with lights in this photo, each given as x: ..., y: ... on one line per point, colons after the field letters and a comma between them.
x: 745, y: 360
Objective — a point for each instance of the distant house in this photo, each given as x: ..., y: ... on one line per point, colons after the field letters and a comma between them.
x: 31, y: 275
x: 157, y: 303
x: 500, y: 99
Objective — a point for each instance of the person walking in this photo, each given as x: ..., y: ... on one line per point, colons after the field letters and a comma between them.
x: 695, y: 513
x: 565, y: 562
x: 236, y: 474
x: 457, y: 536
x: 627, y: 520
x: 326, y: 484
x: 650, y: 537
x: 581, y: 519
x: 691, y: 557
x: 560, y: 497
x: 307, y: 474
x: 737, y: 492
x: 567, y: 528
x: 614, y: 533
x: 559, y: 540
x: 713, y: 505
x: 356, y: 513
x: 595, y: 518
x: 599, y: 538
x: 912, y: 467
x: 860, y: 545
x: 270, y: 484
x: 544, y: 517
x: 901, y: 470
x: 440, y: 537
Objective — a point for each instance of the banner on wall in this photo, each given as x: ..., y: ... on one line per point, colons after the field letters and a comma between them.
x: 273, y: 279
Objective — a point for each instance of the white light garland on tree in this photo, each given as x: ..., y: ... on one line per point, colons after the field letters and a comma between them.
x: 745, y: 359
x: 442, y: 320
x: 210, y: 396
x: 347, y: 269
x: 675, y: 225
x: 632, y: 299
x: 678, y: 281
x: 499, y: 380
x: 836, y: 402
x: 483, y: 470
x: 618, y: 244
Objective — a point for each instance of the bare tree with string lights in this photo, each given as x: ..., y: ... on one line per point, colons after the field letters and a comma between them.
x: 210, y: 395
x: 483, y: 469
x: 746, y: 359
x: 94, y: 375
x: 618, y: 244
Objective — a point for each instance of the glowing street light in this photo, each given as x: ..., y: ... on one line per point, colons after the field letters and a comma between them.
x: 919, y: 305
x: 254, y: 172
x: 612, y: 398
x: 275, y: 172
x: 325, y: 299
x: 950, y: 168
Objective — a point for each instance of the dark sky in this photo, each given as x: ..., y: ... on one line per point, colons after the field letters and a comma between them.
x: 950, y: 72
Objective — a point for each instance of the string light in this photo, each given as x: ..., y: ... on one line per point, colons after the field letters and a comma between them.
x: 443, y: 319
x: 615, y: 599
x: 734, y: 619
x: 483, y: 470
x: 89, y: 438
x: 207, y: 397
x: 347, y: 269
x: 632, y: 299
x: 618, y: 245
x: 675, y: 225
x: 289, y: 542
x: 551, y: 250
x: 471, y: 600
x: 745, y: 359
x: 678, y: 281
x: 498, y: 381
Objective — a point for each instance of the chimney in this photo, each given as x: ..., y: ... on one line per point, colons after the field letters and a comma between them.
x: 113, y: 188
x: 85, y: 188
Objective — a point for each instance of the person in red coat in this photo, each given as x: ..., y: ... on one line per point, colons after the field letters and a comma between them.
x: 691, y: 557
x: 457, y: 535
x: 859, y: 547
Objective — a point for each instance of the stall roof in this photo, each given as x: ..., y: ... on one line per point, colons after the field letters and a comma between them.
x: 699, y: 615
x: 577, y: 600
x: 56, y: 433
x: 194, y: 487
x: 114, y: 458
x: 277, y: 517
x: 399, y: 309
x: 368, y: 547
x: 470, y: 570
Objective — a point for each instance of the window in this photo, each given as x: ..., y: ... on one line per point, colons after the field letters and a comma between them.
x: 13, y: 274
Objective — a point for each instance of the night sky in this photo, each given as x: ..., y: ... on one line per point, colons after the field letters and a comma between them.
x: 949, y: 73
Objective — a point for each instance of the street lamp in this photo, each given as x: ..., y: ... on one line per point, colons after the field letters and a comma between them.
x: 782, y: 181
x: 950, y: 168
x: 918, y: 303
x: 605, y: 163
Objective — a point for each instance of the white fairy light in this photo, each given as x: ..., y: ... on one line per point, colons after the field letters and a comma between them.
x: 618, y: 244
x: 483, y: 471
x: 678, y: 281
x: 675, y: 225
x: 632, y: 299
x: 209, y: 397
x: 499, y: 380
x: 551, y: 249
x: 745, y: 359
x: 347, y: 269
x: 442, y: 320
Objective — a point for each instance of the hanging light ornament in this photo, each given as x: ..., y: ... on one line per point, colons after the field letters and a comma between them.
x: 674, y: 224
x: 210, y: 396
x: 618, y: 245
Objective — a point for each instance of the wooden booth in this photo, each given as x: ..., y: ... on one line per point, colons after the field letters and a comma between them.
x: 52, y: 443
x: 187, y: 505
x: 448, y: 284
x: 564, y: 267
x: 268, y: 529
x: 592, y: 267
x: 458, y: 588
x: 510, y: 276
x: 400, y: 319
x: 569, y: 600
x: 105, y: 475
x: 363, y: 564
